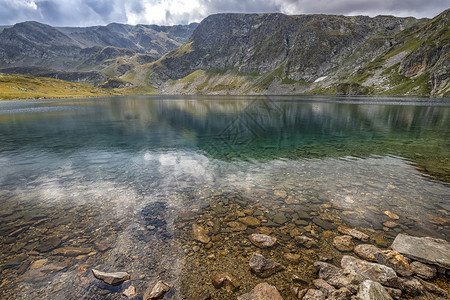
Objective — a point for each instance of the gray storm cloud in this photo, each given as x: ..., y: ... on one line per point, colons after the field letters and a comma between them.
x: 168, y: 12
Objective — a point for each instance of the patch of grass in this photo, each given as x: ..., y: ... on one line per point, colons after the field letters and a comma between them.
x: 25, y: 87
x: 411, y: 45
x: 402, y: 85
x: 180, y: 51
x: 189, y: 79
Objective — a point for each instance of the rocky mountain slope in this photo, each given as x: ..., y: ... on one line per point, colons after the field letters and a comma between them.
x: 82, y: 54
x: 242, y: 54
x: 275, y: 53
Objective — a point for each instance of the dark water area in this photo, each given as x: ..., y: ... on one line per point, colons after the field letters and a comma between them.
x: 118, y: 184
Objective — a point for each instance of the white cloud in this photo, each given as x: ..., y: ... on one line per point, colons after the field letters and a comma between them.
x: 169, y: 12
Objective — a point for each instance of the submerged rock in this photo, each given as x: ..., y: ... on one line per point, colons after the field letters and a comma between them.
x: 367, y: 251
x: 16, y: 260
x: 250, y: 221
x: 292, y: 258
x: 262, y: 240
x: 344, y: 243
x: 263, y: 267
x: 200, y: 234
x: 391, y: 215
x: 226, y: 279
x: 114, y: 278
x: 354, y: 233
x: 157, y: 291
x: 426, y: 249
x: 371, y: 290
x: 48, y: 244
x: 39, y: 274
x: 237, y: 226
x: 305, y: 241
x: 394, y: 260
x: 71, y: 251
x: 262, y: 291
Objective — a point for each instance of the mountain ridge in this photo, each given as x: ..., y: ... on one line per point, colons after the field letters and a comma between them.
x: 231, y: 53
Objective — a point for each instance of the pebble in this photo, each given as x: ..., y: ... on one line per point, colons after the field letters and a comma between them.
x: 113, y: 278
x: 130, y: 292
x: 200, y: 234
x: 157, y: 291
x: 263, y: 267
x: 262, y: 240
x: 225, y: 279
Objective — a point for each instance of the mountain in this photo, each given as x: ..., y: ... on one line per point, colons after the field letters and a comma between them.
x: 277, y: 54
x: 242, y: 54
x: 82, y: 54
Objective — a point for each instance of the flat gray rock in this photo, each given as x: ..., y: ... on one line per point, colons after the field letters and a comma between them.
x: 427, y: 250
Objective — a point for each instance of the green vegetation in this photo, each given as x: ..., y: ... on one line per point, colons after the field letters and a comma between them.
x: 25, y: 87
x: 402, y: 85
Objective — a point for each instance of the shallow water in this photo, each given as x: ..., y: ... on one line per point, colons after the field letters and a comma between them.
x: 124, y: 179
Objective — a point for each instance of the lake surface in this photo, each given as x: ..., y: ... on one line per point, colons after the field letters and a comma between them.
x: 118, y: 183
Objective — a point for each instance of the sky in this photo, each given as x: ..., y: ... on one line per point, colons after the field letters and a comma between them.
x: 171, y: 12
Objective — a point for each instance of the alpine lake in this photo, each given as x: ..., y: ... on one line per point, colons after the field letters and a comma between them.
x: 170, y: 188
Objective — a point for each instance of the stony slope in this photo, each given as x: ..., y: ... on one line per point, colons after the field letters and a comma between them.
x: 43, y: 50
x: 275, y: 53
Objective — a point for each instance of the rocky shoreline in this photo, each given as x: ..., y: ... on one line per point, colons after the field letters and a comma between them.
x: 392, y: 276
x: 232, y: 247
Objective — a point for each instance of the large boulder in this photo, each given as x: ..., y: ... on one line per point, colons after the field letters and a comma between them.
x: 371, y: 271
x: 426, y: 249
x: 339, y: 278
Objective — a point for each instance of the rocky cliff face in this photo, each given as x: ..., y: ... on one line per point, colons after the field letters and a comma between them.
x: 309, y: 46
x: 275, y: 53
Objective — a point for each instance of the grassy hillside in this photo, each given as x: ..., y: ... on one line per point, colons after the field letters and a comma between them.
x: 23, y: 87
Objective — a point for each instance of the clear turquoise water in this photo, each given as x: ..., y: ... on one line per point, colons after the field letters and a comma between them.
x: 126, y: 171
